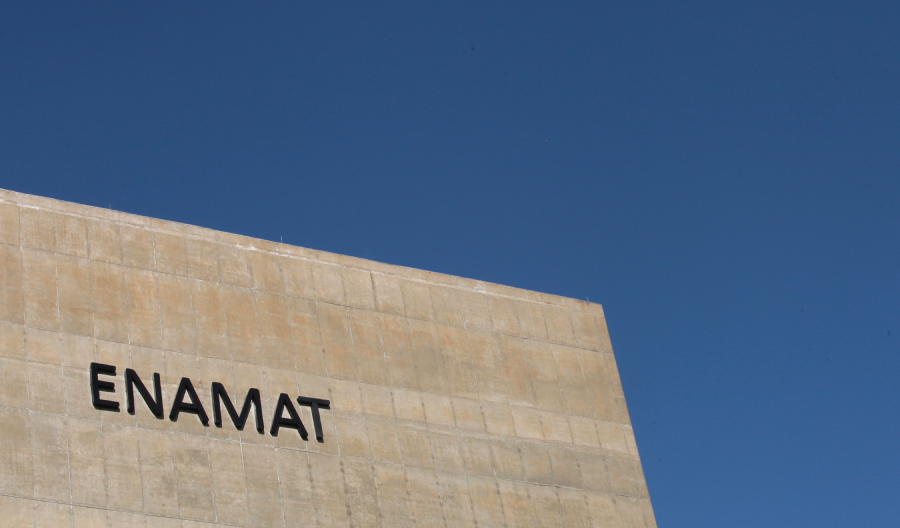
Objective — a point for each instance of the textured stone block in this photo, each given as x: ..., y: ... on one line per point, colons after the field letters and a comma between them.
x: 124, y: 488
x: 425, y: 498
x: 361, y: 493
x: 340, y: 356
x: 12, y: 300
x: 393, y: 496
x: 89, y: 518
x: 195, y: 490
x: 446, y: 452
x: 489, y: 378
x: 266, y: 271
x: 544, y: 379
x: 398, y: 352
x: 75, y: 302
x: 52, y: 514
x: 86, y: 465
x: 49, y: 457
x: 306, y: 340
x: 12, y: 341
x: 370, y: 362
x: 137, y: 247
x: 40, y: 290
x: 456, y: 500
x: 296, y: 485
x: 15, y: 453
x: 13, y: 383
x: 358, y: 288
x: 227, y: 476
x: 103, y: 242
x: 261, y: 474
x: 388, y: 294
x: 9, y: 224
x: 297, y: 276
x: 458, y: 364
x: 384, y: 442
x: 37, y: 229
x: 486, y: 503
x: 110, y: 305
x: 141, y: 295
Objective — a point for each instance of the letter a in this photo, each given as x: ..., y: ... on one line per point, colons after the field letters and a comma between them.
x: 284, y: 402
x: 195, y: 407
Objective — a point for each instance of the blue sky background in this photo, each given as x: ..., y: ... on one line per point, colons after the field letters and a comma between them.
x: 722, y: 176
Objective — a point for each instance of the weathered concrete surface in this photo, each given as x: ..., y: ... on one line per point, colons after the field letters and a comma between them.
x: 454, y: 402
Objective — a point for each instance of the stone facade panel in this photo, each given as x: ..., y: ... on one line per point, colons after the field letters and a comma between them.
x: 451, y: 402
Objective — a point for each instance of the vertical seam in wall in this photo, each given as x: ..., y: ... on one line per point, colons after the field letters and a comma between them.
x: 260, y: 356
x: 278, y: 480
x: 352, y: 344
x: 409, y: 501
x: 371, y: 462
x: 475, y: 379
x: 212, y: 488
x: 387, y: 371
x: 346, y: 488
x: 287, y: 312
x: 312, y: 488
x: 171, y: 435
x: 218, y: 284
x: 433, y: 464
x: 27, y: 376
x: 587, y: 506
x: 138, y: 438
x: 212, y: 484
x: 159, y: 307
x: 340, y: 268
x: 544, y: 317
x: 365, y: 412
x: 312, y: 277
x: 93, y: 338
x: 593, y: 411
x: 62, y: 368
x: 246, y: 486
x: 296, y: 386
x: 500, y: 498
x: 437, y: 484
x: 409, y: 335
x: 197, y: 360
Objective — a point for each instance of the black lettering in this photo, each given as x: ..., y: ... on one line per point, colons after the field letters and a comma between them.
x: 98, y: 386
x: 218, y: 392
x: 131, y: 381
x: 195, y: 407
x: 314, y: 405
x: 284, y: 402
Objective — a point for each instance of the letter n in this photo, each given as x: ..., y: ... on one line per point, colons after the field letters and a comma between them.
x: 131, y: 381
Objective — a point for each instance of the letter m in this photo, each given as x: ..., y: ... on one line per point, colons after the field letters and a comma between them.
x: 219, y: 394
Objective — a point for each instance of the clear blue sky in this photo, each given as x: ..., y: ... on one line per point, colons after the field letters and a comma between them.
x: 723, y: 177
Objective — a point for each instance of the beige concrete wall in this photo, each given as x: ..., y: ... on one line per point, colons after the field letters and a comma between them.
x: 454, y: 402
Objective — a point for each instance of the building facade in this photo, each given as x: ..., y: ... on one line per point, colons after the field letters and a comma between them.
x: 160, y: 374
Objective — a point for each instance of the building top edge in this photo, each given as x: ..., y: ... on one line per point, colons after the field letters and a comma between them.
x: 257, y: 244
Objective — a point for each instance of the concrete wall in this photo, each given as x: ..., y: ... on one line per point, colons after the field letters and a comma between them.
x: 453, y: 402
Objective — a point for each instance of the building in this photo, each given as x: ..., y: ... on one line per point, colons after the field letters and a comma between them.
x: 160, y: 374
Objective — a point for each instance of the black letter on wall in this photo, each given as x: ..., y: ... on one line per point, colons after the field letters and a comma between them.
x: 218, y: 391
x: 195, y: 407
x: 284, y: 402
x: 314, y: 405
x: 98, y: 386
x: 132, y: 380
